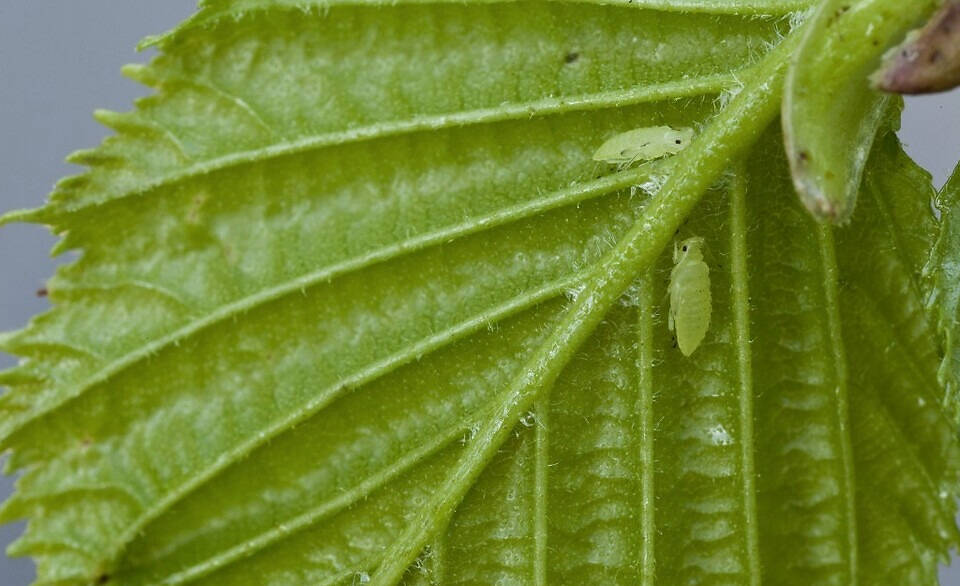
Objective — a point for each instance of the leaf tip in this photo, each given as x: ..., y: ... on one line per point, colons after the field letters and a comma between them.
x: 28, y: 216
x: 12, y: 510
x: 152, y: 41
x: 109, y: 118
x: 820, y: 204
x: 139, y: 73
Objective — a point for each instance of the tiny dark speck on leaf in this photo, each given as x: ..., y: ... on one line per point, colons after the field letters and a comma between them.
x: 571, y: 57
x: 42, y: 292
x: 837, y: 14
x: 103, y: 578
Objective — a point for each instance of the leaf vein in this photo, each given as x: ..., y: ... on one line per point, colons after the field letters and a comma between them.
x: 692, y: 87
x: 553, y: 200
x: 828, y: 261
x: 741, y: 317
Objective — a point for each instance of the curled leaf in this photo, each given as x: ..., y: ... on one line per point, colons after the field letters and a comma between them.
x: 929, y: 60
x: 830, y: 113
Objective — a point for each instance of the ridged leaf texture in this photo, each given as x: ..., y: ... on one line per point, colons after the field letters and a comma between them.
x: 355, y: 305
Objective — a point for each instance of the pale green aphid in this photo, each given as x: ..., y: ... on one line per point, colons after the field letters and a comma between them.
x: 643, y: 144
x: 690, y: 302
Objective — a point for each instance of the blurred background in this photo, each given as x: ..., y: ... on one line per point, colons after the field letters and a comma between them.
x: 59, y: 61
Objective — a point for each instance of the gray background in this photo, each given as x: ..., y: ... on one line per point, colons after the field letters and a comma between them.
x: 60, y: 60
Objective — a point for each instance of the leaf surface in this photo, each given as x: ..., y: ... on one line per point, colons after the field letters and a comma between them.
x: 941, y: 275
x: 355, y: 304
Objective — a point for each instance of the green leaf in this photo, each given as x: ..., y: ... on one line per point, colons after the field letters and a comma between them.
x: 355, y: 305
x: 941, y: 279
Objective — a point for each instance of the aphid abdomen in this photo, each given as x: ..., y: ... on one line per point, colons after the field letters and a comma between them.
x: 690, y: 301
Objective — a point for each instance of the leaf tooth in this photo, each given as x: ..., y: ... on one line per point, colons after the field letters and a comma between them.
x: 93, y: 158
x: 118, y: 121
x: 30, y: 216
x: 67, y: 240
x: 59, y: 562
x: 48, y: 348
x: 141, y: 73
x: 6, y: 338
x: 14, y: 509
x: 37, y: 546
x: 71, y: 183
x: 19, y: 375
x: 21, y: 344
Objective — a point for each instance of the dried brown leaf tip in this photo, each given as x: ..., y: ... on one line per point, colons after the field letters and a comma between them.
x: 929, y: 60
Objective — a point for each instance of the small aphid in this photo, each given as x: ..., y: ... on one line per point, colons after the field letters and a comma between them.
x: 690, y: 302
x: 643, y: 144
